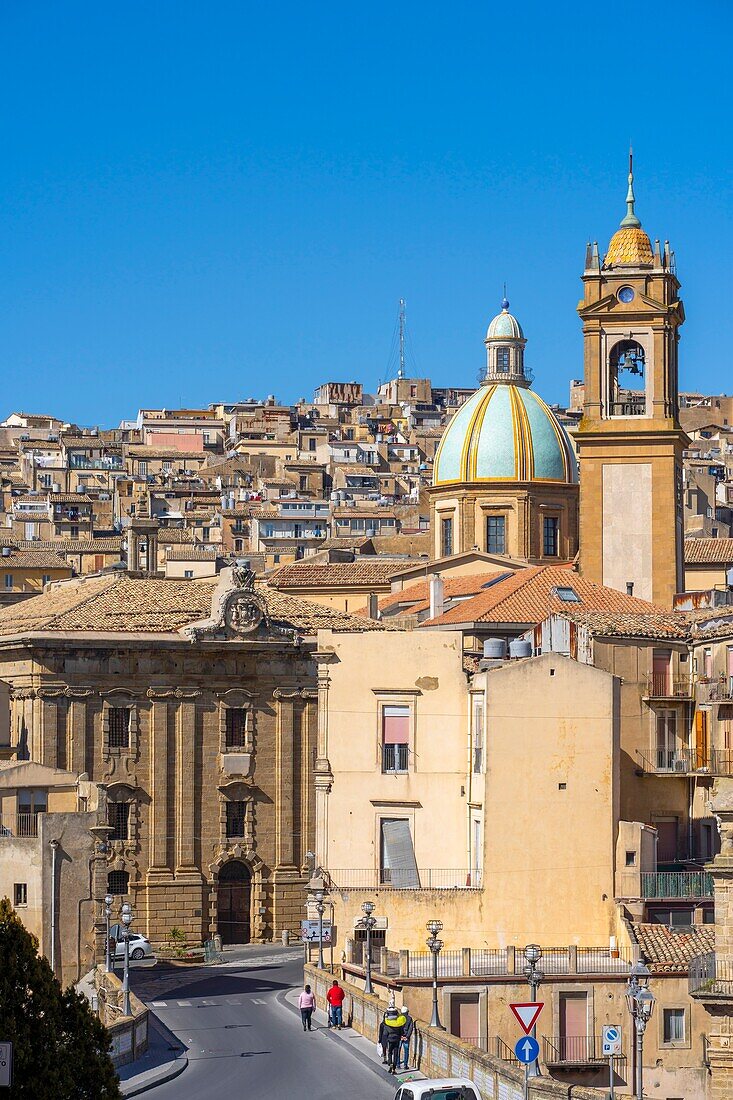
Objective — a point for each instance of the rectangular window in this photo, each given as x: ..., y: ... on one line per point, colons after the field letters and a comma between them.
x: 167, y: 467
x: 502, y: 359
x: 550, y: 532
x: 119, y: 819
x: 446, y: 537
x: 188, y: 574
x: 311, y: 444
x: 119, y: 727
x: 74, y: 533
x: 477, y: 732
x: 674, y: 1025
x: 303, y: 484
x: 142, y: 467
x: 45, y: 579
x: 395, y: 738
x: 8, y: 580
x: 236, y: 727
x: 235, y: 818
x: 20, y: 894
x: 496, y: 534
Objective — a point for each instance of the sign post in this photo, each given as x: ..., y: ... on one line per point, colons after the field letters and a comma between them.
x: 611, y: 1039
x: 6, y: 1065
x: 527, y: 1049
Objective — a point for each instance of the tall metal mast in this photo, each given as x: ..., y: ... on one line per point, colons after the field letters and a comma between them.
x: 401, y: 371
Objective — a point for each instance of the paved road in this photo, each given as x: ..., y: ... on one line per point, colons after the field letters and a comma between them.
x: 243, y: 1041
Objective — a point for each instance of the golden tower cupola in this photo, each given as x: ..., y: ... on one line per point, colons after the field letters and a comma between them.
x: 630, y: 245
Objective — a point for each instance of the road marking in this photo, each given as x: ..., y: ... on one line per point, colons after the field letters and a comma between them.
x: 183, y: 1004
x: 207, y: 1002
x: 158, y: 1004
x: 257, y: 1001
x: 230, y: 1002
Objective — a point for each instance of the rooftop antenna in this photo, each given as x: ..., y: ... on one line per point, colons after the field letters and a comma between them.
x: 401, y: 370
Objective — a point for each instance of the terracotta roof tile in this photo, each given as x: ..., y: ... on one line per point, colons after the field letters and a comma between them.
x: 79, y: 546
x: 528, y: 596
x: 416, y: 597
x: 708, y: 551
x: 192, y: 553
x: 301, y: 574
x: 671, y: 951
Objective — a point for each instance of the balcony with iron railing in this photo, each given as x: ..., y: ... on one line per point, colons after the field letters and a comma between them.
x: 471, y: 962
x: 18, y: 825
x: 428, y: 878
x: 677, y: 761
x: 711, y: 977
x: 572, y: 1050
x: 662, y: 685
x: 669, y: 885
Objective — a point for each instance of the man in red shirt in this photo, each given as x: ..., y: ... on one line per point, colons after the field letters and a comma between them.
x: 335, y: 998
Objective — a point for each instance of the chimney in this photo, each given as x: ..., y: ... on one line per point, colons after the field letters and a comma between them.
x: 437, y: 589
x: 373, y: 605
x: 629, y: 588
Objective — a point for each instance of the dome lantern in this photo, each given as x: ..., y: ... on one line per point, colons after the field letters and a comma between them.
x: 505, y: 344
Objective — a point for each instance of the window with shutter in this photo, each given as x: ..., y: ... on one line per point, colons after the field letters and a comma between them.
x: 399, y: 866
x: 395, y: 738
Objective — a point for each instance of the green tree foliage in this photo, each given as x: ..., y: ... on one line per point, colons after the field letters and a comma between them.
x: 60, y: 1049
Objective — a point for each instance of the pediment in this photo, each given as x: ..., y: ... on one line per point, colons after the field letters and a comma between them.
x: 643, y: 306
x: 29, y: 773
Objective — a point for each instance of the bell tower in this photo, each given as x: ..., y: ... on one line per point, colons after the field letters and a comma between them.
x: 630, y: 442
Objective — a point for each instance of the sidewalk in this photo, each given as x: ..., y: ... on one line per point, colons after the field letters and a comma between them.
x: 363, y: 1049
x: 164, y: 1059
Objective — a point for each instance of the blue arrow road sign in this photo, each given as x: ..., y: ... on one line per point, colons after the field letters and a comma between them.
x: 527, y: 1049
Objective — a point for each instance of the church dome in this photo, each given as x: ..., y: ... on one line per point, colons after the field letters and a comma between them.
x: 504, y: 432
x: 629, y: 246
x: 504, y: 326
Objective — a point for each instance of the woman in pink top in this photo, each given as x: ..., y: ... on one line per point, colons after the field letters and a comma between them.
x: 306, y: 1004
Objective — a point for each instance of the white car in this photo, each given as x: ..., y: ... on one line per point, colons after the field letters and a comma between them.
x: 140, y: 947
x: 448, y: 1088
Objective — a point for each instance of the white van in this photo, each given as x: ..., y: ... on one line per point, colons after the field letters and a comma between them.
x: 449, y: 1088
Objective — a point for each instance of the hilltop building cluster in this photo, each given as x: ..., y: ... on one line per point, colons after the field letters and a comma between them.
x: 448, y: 651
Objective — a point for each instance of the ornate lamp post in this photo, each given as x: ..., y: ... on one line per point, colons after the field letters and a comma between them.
x: 127, y: 921
x: 107, y: 914
x: 640, y: 1002
x: 436, y: 946
x: 320, y: 909
x: 368, y: 922
x: 533, y: 974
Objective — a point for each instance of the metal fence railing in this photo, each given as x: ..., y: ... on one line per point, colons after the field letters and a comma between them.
x: 579, y: 1050
x: 486, y: 961
x: 18, y: 825
x: 662, y: 685
x: 428, y: 879
x: 676, y: 884
x: 601, y: 960
x: 708, y: 974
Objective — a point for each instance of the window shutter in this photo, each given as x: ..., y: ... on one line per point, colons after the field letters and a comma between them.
x: 400, y: 855
x: 396, y: 725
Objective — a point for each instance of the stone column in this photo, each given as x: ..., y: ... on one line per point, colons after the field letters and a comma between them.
x: 284, y: 773
x: 132, y: 550
x: 159, y: 788
x: 48, y: 708
x: 322, y: 770
x: 185, y: 785
x: 77, y: 736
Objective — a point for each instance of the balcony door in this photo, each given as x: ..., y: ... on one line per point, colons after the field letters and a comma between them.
x: 666, y: 739
x: 573, y: 1027
x: 662, y: 672
x: 667, y: 839
x: 464, y: 1015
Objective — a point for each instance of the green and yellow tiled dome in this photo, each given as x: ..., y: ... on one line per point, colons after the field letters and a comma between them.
x: 504, y: 433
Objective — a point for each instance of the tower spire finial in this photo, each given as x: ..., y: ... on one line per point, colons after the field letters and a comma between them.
x: 631, y: 220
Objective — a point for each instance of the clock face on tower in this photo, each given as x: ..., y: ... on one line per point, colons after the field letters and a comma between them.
x: 626, y: 294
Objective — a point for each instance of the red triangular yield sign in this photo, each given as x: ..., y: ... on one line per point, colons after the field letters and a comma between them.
x: 527, y: 1013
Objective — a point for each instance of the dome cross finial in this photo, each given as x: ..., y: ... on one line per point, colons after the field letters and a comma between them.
x: 631, y: 220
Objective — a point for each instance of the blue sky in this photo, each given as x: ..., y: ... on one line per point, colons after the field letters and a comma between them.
x: 207, y: 202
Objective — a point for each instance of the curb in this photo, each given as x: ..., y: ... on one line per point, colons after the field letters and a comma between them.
x: 151, y: 1078
x: 375, y: 1067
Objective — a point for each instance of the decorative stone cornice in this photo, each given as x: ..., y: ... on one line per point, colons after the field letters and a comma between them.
x: 172, y: 693
x: 232, y: 695
x: 298, y: 693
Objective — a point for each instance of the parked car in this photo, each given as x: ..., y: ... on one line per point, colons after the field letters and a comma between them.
x: 140, y: 947
x: 448, y: 1088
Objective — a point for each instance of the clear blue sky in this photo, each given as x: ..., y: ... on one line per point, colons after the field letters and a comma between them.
x: 205, y: 202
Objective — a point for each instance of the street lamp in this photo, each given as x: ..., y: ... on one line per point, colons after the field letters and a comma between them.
x: 533, y: 974
x: 640, y: 1002
x: 320, y: 909
x: 127, y: 921
x: 107, y: 914
x: 436, y: 946
x: 368, y: 922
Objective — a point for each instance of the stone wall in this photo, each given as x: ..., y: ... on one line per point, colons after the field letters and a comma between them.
x: 129, y: 1033
x: 444, y: 1055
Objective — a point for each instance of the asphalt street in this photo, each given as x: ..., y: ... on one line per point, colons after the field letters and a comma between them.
x: 243, y: 1040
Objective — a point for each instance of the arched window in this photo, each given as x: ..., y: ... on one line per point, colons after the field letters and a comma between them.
x: 627, y: 379
x: 117, y: 882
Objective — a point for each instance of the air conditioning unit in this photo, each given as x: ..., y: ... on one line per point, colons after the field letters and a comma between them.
x: 679, y: 764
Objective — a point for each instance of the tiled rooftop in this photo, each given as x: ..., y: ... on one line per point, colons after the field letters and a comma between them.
x: 416, y: 597
x: 708, y: 551
x: 667, y: 951
x: 363, y: 571
x: 528, y: 596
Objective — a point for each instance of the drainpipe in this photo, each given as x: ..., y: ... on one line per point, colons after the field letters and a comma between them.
x: 54, y: 850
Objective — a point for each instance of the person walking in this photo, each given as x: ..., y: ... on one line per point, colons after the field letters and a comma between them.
x: 394, y: 1023
x: 408, y: 1030
x: 306, y: 1004
x: 382, y: 1038
x: 335, y: 998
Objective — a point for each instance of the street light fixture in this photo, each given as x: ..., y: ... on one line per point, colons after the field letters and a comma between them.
x: 368, y: 922
x: 107, y: 952
x: 127, y: 921
x: 320, y: 909
x: 640, y: 1002
x: 436, y: 946
x: 533, y: 974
